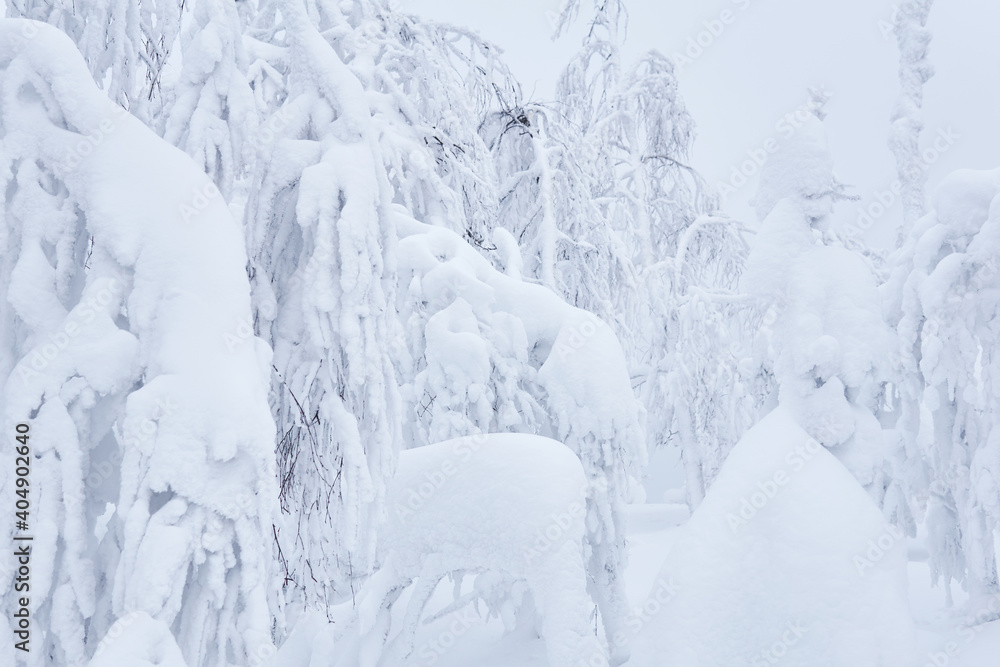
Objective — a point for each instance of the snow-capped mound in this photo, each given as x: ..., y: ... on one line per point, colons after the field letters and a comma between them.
x: 487, y: 499
x: 511, y: 506
x: 138, y: 640
x: 787, y: 558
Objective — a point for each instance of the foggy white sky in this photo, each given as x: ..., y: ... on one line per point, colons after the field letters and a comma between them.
x: 760, y: 66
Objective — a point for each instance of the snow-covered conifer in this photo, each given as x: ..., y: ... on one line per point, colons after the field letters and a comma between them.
x: 829, y: 344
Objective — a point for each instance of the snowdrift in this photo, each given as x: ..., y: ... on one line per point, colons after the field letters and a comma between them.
x: 787, y: 559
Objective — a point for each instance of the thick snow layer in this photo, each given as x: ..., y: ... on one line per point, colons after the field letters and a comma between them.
x: 486, y: 499
x: 835, y: 316
x: 138, y: 640
x: 786, y: 560
x: 831, y: 309
x: 962, y: 200
x: 507, y: 503
x: 511, y: 506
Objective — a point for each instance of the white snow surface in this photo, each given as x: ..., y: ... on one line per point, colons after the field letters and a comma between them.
x: 138, y: 640
x: 787, y: 558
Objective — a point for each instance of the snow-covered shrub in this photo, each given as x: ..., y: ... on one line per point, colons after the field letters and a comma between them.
x: 505, y: 505
x: 495, y: 353
x: 122, y: 276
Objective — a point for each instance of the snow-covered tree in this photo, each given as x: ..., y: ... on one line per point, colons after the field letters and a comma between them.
x: 319, y: 236
x: 502, y: 354
x: 152, y: 467
x: 212, y: 115
x: 433, y: 86
x: 547, y: 204
x: 705, y: 384
x: 906, y: 123
x: 828, y: 343
x: 942, y: 297
x: 673, y: 296
x: 364, y: 109
x: 126, y: 45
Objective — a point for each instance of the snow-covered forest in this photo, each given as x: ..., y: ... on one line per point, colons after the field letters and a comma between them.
x: 326, y: 342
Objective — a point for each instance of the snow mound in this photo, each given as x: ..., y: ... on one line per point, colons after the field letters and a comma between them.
x: 507, y: 505
x: 485, y: 499
x: 786, y: 559
x: 138, y: 640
